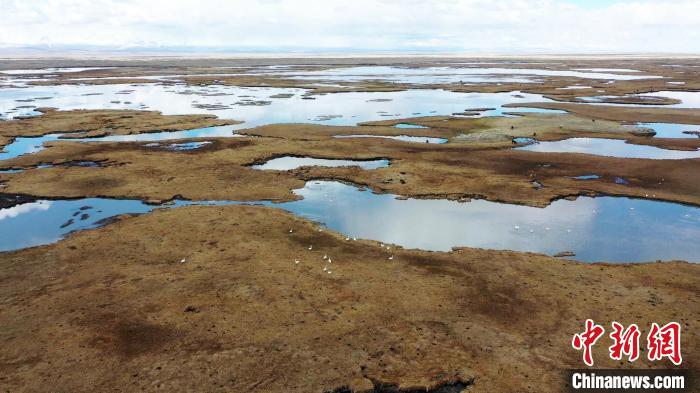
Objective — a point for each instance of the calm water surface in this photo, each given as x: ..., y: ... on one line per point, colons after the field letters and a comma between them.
x: 408, y: 125
x: 671, y: 130
x: 44, y: 221
x: 403, y: 138
x: 596, y: 229
x: 289, y: 162
x: 689, y: 99
x: 431, y: 75
x: 609, y: 147
x: 255, y: 105
x: 27, y: 145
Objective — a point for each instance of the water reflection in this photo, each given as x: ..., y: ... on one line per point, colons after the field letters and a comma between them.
x: 607, y: 69
x: 289, y: 162
x: 671, y: 130
x: 609, y: 147
x: 45, y: 222
x: 256, y: 106
x: 587, y: 177
x: 27, y: 145
x: 205, y: 132
x: 23, y: 209
x: 523, y: 140
x: 688, y: 99
x: 403, y: 138
x: 181, y: 146
x: 433, y: 75
x: 596, y: 229
x: 38, y: 71
x: 408, y: 125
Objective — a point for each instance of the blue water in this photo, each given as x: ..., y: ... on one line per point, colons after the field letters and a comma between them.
x: 227, y: 102
x: 403, y: 138
x: 526, y: 141
x: 597, y: 229
x: 671, y: 130
x: 289, y: 162
x: 27, y: 145
x: 184, y: 146
x: 455, y: 74
x: 609, y: 147
x: 41, y: 222
x: 188, y: 145
x: 331, y: 109
x: 587, y: 177
x: 408, y: 125
x: 205, y: 132
x: 688, y: 99
x: 511, y: 112
x: 606, y: 228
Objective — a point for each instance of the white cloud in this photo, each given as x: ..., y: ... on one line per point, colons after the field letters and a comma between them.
x: 12, y: 212
x: 389, y: 25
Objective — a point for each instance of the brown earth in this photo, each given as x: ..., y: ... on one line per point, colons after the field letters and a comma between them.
x: 546, y: 127
x: 485, y: 167
x: 114, y: 309
x: 91, y: 123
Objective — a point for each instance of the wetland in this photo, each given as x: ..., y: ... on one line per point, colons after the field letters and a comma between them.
x: 167, y: 216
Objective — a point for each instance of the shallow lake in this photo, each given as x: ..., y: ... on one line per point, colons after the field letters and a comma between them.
x: 47, y: 221
x: 434, y: 75
x: 609, y: 147
x: 403, y: 138
x: 289, y: 162
x: 689, y: 99
x: 259, y: 105
x: 596, y: 229
x: 408, y: 125
x: 605, y: 228
x: 671, y: 130
x: 28, y: 145
x: 21, y: 146
x: 329, y: 109
x: 587, y: 177
x: 38, y: 71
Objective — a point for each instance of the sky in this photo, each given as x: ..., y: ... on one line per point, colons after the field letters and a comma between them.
x: 413, y: 26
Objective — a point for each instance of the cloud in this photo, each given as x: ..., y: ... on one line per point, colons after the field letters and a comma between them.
x: 12, y: 212
x: 384, y: 25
